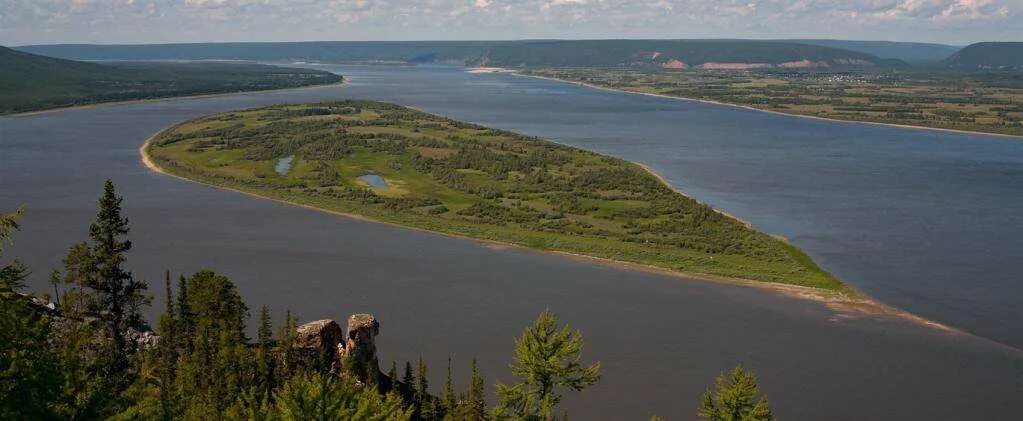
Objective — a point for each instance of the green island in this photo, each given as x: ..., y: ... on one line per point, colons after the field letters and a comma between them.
x: 398, y: 165
x: 988, y: 102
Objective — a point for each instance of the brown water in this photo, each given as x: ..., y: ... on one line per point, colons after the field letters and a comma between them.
x: 661, y: 339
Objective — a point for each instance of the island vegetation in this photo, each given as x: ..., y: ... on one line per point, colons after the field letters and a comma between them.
x: 30, y: 82
x: 398, y: 165
x: 989, y: 102
x: 89, y: 354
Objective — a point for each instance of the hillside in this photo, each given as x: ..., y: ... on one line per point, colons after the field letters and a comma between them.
x: 31, y: 82
x: 909, y: 52
x: 719, y: 54
x: 495, y: 53
x: 989, y: 55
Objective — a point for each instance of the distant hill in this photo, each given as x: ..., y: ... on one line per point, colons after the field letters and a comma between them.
x: 910, y: 52
x: 989, y: 55
x: 32, y: 82
x: 715, y: 54
x: 666, y: 53
x: 325, y: 51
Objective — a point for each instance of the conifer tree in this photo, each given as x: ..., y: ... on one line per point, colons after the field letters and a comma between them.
x: 735, y: 399
x: 264, y: 357
x: 393, y: 376
x: 450, y: 401
x: 423, y: 404
x: 547, y: 359
x: 97, y: 265
x: 410, y: 383
x: 476, y: 397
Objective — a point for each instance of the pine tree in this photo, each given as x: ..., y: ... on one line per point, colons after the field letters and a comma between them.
x: 264, y: 361
x: 735, y: 398
x: 476, y: 397
x: 410, y: 383
x: 392, y: 375
x: 450, y: 401
x: 424, y: 409
x: 547, y: 358
x: 115, y: 295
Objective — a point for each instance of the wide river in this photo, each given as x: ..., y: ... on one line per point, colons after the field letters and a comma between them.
x: 930, y: 222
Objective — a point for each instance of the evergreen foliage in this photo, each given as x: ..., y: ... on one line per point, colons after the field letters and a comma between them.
x: 547, y: 360
x: 735, y: 398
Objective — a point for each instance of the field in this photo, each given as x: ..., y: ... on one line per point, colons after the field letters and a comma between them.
x: 971, y: 101
x: 402, y: 166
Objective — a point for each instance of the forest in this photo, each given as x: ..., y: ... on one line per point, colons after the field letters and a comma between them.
x: 30, y: 82
x: 442, y: 175
x: 86, y: 352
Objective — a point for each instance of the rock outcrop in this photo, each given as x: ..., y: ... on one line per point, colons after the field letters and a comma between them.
x: 352, y: 353
x: 320, y: 343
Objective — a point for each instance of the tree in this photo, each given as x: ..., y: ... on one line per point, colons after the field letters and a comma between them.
x: 475, y: 405
x: 450, y: 401
x: 735, y: 399
x: 547, y: 359
x: 112, y: 293
x: 318, y: 396
x: 29, y: 380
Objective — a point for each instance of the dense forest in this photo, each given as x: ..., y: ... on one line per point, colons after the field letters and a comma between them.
x: 528, y: 53
x: 30, y: 82
x: 89, y: 354
x: 404, y: 166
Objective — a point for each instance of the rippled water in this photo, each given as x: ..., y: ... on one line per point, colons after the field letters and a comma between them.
x: 927, y: 221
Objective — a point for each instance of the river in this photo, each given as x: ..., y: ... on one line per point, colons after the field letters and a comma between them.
x: 926, y: 221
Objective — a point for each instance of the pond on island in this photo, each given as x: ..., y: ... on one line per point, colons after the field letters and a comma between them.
x: 374, y: 181
x: 284, y: 165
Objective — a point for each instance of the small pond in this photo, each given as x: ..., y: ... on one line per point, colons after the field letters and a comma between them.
x: 374, y: 181
x: 284, y: 165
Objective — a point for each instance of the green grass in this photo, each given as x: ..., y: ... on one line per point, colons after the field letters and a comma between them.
x: 486, y: 184
x: 971, y: 101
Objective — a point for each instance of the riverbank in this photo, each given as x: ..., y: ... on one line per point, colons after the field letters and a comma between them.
x: 750, y: 108
x: 344, y: 81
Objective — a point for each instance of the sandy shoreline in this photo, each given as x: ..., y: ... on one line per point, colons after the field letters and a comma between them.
x: 746, y: 107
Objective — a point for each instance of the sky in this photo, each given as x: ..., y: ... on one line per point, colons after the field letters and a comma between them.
x: 956, y: 22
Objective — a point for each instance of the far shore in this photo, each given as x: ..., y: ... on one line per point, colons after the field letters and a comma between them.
x: 343, y: 82
x: 746, y: 107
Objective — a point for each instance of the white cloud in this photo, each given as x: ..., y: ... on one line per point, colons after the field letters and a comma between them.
x: 959, y: 21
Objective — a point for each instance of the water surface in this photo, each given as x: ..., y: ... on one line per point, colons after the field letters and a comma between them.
x: 935, y: 213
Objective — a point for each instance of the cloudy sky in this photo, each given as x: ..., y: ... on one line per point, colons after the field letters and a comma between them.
x: 150, y: 21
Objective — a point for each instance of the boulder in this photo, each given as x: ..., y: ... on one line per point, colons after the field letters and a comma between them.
x: 359, y: 354
x: 320, y: 343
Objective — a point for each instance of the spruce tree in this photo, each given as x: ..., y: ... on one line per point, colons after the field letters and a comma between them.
x: 476, y: 397
x: 735, y: 398
x: 114, y: 294
x: 424, y: 409
x: 410, y: 383
x: 450, y: 401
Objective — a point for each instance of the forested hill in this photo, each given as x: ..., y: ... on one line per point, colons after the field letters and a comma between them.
x: 910, y: 52
x: 539, y: 53
x: 675, y: 53
x: 989, y: 55
x: 31, y: 82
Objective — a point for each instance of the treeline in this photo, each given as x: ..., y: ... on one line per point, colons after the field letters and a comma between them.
x: 90, y: 355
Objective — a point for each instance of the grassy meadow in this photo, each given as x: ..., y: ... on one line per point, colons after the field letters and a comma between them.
x: 457, y: 178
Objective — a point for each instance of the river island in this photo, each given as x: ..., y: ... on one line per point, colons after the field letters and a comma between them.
x: 398, y: 165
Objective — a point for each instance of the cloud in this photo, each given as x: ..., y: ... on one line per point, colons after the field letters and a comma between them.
x: 960, y: 21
